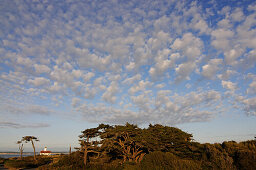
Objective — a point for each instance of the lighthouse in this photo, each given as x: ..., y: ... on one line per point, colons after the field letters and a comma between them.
x: 45, y: 152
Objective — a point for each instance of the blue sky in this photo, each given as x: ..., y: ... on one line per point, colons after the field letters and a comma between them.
x: 69, y: 65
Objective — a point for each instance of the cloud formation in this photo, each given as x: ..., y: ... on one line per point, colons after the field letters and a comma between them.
x: 6, y: 124
x: 161, y: 61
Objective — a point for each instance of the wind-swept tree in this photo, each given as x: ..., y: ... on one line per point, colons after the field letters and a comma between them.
x: 31, y: 139
x: 86, y: 142
x: 20, y: 148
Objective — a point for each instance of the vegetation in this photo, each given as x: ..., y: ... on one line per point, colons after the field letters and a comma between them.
x: 156, y: 147
x: 20, y: 148
x: 26, y: 162
x: 31, y: 139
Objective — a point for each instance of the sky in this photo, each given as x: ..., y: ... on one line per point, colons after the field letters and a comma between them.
x: 66, y: 66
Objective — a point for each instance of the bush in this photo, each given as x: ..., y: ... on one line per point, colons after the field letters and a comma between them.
x: 160, y: 160
x: 19, y: 164
x: 73, y: 161
x: 27, y: 162
x: 2, y: 160
x: 245, y: 159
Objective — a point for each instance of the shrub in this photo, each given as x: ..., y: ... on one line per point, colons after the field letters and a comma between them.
x: 73, y: 161
x: 160, y: 160
x: 245, y: 159
x: 19, y: 164
x: 2, y: 160
x: 27, y: 162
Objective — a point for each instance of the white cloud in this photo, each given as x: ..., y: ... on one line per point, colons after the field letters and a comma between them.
x: 132, y: 79
x: 248, y: 61
x: 41, y: 68
x: 162, y: 64
x: 142, y: 101
x: 24, y: 61
x: 56, y: 87
x: 183, y: 71
x: 232, y: 55
x: 90, y: 93
x: 75, y: 102
x: 252, y: 88
x: 237, y: 15
x: 141, y: 86
x: 250, y: 106
x: 210, y: 69
x: 226, y: 74
x: 109, y: 94
x: 77, y: 73
x: 190, y: 46
x: 229, y: 85
x: 159, y: 86
x: 130, y: 66
x: 39, y: 81
x: 88, y: 76
x: 221, y: 38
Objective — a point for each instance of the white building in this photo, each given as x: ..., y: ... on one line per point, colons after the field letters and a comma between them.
x: 45, y: 152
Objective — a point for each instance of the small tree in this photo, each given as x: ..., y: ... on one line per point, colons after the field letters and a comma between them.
x: 20, y: 148
x: 31, y: 139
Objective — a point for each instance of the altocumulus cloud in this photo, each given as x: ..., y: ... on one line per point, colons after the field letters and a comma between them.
x: 138, y: 61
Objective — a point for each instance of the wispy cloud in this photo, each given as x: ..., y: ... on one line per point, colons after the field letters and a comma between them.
x: 7, y: 124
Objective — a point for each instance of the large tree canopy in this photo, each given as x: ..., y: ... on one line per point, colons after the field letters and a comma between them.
x: 129, y: 141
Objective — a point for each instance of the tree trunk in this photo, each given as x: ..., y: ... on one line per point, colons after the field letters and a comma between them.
x: 86, y: 151
x: 85, y: 155
x: 21, y: 151
x: 34, y: 149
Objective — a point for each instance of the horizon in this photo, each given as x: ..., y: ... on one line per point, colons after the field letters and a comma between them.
x: 68, y: 66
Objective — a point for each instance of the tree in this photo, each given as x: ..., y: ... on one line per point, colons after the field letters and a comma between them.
x: 20, y: 148
x: 31, y: 139
x: 123, y: 142
x: 130, y: 143
x: 164, y: 138
x: 87, y: 144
